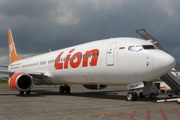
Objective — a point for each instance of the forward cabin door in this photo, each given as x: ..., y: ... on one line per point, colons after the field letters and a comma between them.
x: 110, y: 54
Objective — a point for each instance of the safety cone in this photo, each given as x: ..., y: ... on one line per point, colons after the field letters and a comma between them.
x: 115, y: 92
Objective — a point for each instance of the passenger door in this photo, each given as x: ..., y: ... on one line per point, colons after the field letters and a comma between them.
x: 110, y: 54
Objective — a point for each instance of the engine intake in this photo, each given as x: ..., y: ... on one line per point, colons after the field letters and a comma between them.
x: 20, y: 82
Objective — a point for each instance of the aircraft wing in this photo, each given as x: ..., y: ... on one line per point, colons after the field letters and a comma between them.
x: 5, y: 66
x: 147, y: 36
x: 37, y: 76
x: 6, y: 72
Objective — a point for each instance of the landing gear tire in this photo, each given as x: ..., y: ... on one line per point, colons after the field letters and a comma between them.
x: 28, y: 92
x: 170, y: 91
x: 162, y: 91
x: 141, y: 95
x: 21, y: 92
x: 132, y: 96
x: 152, y: 96
x: 67, y: 89
x: 170, y: 96
x: 135, y: 96
x: 61, y: 89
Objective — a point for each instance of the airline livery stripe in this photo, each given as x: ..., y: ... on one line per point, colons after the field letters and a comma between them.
x: 163, y: 87
x: 173, y: 80
x: 122, y: 48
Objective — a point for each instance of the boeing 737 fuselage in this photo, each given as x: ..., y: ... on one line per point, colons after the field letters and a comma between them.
x: 94, y: 64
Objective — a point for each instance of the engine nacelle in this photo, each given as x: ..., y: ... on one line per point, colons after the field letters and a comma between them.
x: 95, y: 87
x: 20, y: 82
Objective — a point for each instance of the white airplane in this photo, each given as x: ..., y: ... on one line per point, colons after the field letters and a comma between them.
x: 95, y: 65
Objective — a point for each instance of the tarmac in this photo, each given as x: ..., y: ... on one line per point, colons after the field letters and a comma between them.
x: 46, y: 103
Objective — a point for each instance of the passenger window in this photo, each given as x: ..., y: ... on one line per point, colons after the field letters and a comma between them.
x: 132, y: 48
x: 138, y: 48
x: 93, y: 54
x: 97, y: 54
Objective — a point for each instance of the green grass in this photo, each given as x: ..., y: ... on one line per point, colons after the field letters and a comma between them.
x: 3, y: 84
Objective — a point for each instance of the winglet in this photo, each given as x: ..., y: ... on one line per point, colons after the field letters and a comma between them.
x: 12, y: 50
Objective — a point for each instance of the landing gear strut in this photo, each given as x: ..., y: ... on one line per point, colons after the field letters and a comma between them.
x: 28, y: 92
x: 65, y: 89
x: 21, y: 92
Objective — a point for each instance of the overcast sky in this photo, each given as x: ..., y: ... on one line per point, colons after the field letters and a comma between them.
x: 40, y: 25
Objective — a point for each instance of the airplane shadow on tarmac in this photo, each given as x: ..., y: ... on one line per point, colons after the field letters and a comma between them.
x: 94, y: 94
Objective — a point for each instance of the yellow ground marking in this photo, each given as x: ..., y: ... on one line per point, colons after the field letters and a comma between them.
x: 96, y: 113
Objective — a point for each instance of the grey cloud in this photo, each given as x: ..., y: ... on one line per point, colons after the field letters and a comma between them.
x: 29, y: 8
x: 38, y: 26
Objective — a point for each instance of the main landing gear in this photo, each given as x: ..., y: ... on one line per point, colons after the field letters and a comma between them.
x: 65, y: 89
x: 132, y: 96
x: 27, y: 92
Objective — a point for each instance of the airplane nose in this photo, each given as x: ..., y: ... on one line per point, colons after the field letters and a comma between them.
x: 162, y: 62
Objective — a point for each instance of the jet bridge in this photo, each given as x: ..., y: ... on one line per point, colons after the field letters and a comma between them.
x: 170, y: 78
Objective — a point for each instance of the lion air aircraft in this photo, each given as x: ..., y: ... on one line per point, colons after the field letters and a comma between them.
x: 95, y: 65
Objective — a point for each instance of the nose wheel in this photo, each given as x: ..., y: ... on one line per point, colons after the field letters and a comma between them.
x: 132, y: 96
x: 64, y: 89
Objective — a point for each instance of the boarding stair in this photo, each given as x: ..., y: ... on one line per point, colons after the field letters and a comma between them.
x: 172, y: 81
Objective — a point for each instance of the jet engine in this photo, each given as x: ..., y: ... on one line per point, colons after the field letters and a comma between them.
x: 20, y: 82
x: 95, y: 87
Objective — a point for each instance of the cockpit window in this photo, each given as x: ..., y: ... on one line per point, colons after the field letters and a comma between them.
x: 135, y: 48
x: 148, y: 47
x: 132, y: 48
x: 138, y: 48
